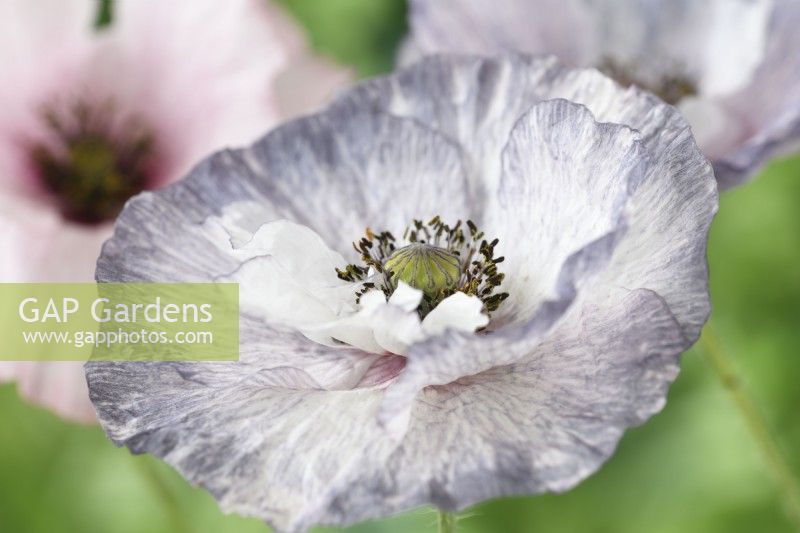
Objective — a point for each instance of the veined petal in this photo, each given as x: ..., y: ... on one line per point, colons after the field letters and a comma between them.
x: 481, y: 100
x: 289, y: 457
x: 288, y: 276
x: 335, y: 173
x: 565, y: 183
x: 354, y: 169
x: 447, y: 358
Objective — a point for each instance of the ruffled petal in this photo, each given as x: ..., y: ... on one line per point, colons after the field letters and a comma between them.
x: 487, y: 27
x: 457, y: 312
x: 362, y: 167
x: 288, y: 276
x: 447, y: 358
x: 296, y: 458
x: 767, y: 111
x: 344, y: 170
x: 479, y: 104
x: 565, y: 183
x: 335, y: 172
x: 393, y: 326
x: 738, y: 53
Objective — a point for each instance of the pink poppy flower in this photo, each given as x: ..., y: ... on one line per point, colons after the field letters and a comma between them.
x: 90, y: 118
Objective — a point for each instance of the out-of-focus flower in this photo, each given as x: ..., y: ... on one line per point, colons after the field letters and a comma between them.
x: 447, y: 371
x: 88, y: 119
x: 731, y: 66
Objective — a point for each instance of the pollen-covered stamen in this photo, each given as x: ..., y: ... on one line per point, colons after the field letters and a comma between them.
x: 91, y: 167
x: 437, y: 259
x: 670, y: 88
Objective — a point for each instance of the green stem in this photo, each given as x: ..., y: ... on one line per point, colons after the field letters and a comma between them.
x: 104, y: 15
x: 447, y: 522
x: 164, y: 494
x: 780, y: 469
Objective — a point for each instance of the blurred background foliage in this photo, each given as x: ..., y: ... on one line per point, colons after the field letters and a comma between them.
x: 693, y: 468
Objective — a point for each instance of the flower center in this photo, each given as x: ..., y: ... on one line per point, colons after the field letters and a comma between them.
x: 91, y: 167
x: 672, y: 88
x: 436, y: 258
x: 431, y: 269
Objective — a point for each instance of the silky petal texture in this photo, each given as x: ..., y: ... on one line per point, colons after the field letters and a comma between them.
x: 335, y: 172
x: 581, y: 170
x: 360, y: 164
x: 741, y: 53
x: 559, y: 166
x: 718, y: 43
x: 218, y: 72
x: 769, y: 107
x: 479, y: 102
x: 299, y: 433
x: 223, y: 75
x: 393, y: 326
x: 288, y: 277
x: 511, y: 430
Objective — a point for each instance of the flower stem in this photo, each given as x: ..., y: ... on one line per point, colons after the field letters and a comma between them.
x: 447, y: 522
x: 779, y: 467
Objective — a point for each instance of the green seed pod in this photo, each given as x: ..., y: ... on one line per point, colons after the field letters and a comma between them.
x: 428, y: 268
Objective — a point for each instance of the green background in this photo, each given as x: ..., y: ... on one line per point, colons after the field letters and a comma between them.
x: 692, y: 468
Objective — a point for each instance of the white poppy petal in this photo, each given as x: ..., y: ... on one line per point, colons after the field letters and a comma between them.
x: 674, y: 203
x: 737, y: 57
x: 565, y: 183
x: 457, y: 312
x: 541, y: 425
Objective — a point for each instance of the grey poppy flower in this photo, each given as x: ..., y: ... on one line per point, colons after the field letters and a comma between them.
x: 731, y: 66
x: 540, y: 330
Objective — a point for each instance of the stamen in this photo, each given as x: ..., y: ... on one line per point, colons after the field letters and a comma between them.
x: 671, y: 88
x: 90, y: 170
x: 438, y: 259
